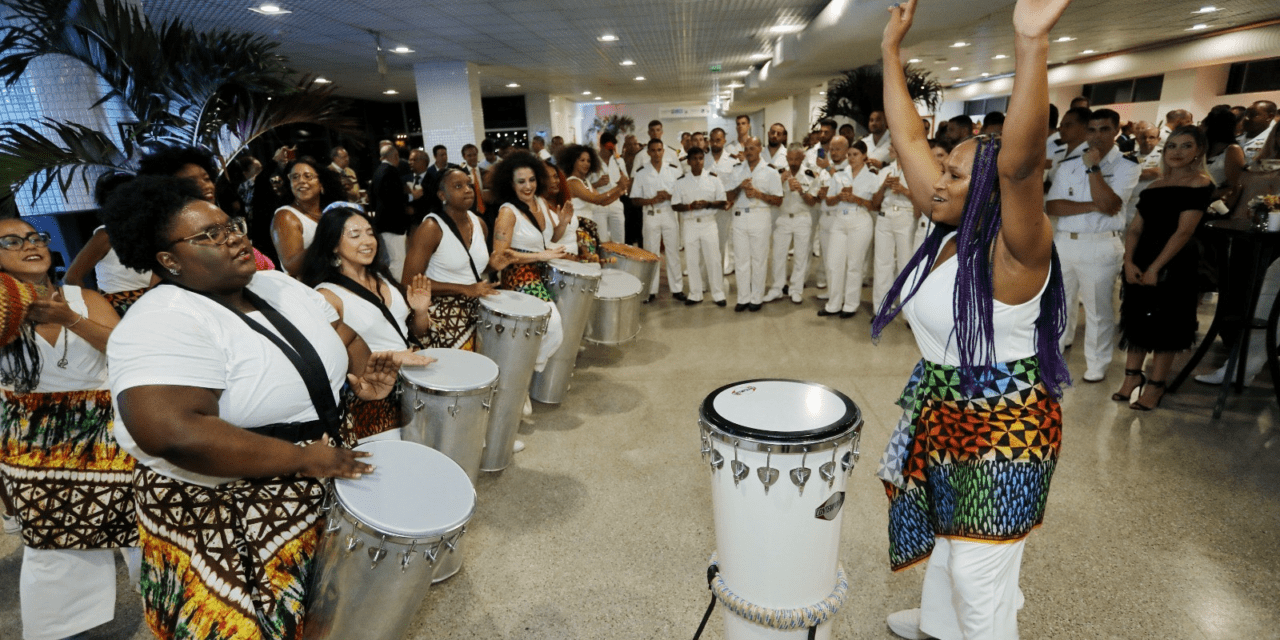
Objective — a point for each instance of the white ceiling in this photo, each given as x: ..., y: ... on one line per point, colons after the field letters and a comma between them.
x: 551, y: 46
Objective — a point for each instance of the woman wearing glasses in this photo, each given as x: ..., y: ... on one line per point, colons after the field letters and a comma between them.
x: 294, y: 226
x: 56, y: 424
x: 226, y: 381
x: 347, y: 265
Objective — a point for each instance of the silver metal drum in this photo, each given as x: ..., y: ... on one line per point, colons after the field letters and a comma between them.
x: 383, y: 539
x: 634, y: 260
x: 509, y: 331
x: 445, y: 405
x: 574, y: 286
x: 616, y: 316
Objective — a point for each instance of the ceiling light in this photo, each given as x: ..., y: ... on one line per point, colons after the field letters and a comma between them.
x: 735, y: 85
x: 959, y: 79
x: 402, y: 49
x: 914, y: 60
x: 760, y: 56
x: 639, y: 77
x: 1198, y: 27
x: 596, y: 98
x: 628, y: 63
x: 959, y: 44
x: 954, y: 69
x: 1064, y: 39
x: 822, y: 93
x: 1207, y: 9
x: 786, y: 28
x: 269, y: 10
x: 586, y: 93
x: 322, y: 80
x: 391, y: 92
x: 1088, y: 51
x: 999, y: 57
x: 512, y: 85
x: 986, y: 75
x: 608, y: 37
x: 607, y: 102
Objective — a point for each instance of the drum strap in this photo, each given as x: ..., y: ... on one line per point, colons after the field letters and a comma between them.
x: 453, y: 226
x: 712, y: 572
x: 298, y: 350
x: 373, y: 299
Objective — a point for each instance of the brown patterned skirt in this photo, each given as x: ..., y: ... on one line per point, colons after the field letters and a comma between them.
x: 366, y: 418
x: 63, y: 474
x: 453, y: 319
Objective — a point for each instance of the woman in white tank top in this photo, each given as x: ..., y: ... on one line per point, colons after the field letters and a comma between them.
x: 348, y: 266
x: 294, y: 226
x: 526, y: 224
x: 581, y: 161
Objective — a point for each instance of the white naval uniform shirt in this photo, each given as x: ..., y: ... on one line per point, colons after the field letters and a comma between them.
x: 894, y: 202
x: 1070, y: 182
x: 723, y: 168
x: 690, y: 188
x: 649, y: 181
x: 670, y: 155
x: 865, y: 185
x: 764, y: 178
x: 878, y: 151
x: 735, y: 149
x: 1151, y: 161
x: 1253, y: 145
x: 793, y: 202
x: 778, y: 159
x: 1061, y: 155
x: 612, y: 168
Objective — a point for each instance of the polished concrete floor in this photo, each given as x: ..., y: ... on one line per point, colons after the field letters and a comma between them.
x: 1159, y: 525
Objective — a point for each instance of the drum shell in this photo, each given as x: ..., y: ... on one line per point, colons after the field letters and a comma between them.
x: 575, y: 294
x: 511, y: 342
x: 454, y: 423
x: 347, y: 585
x: 773, y: 549
x: 642, y: 270
x: 615, y: 320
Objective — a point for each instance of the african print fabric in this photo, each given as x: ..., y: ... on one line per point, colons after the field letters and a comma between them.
x: 227, y: 563
x: 453, y: 321
x: 122, y: 300
x: 974, y: 467
x: 63, y: 474
x: 528, y: 278
x: 588, y: 240
x: 366, y: 418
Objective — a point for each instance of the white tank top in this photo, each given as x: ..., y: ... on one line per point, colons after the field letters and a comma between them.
x: 449, y: 262
x: 525, y: 236
x: 114, y: 277
x: 580, y: 206
x: 308, y: 225
x: 86, y: 366
x: 931, y: 314
x: 368, y: 322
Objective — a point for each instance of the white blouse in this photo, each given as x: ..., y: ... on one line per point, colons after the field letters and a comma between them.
x: 368, y: 322
x: 525, y: 236
x: 449, y: 262
x: 86, y: 366
x: 308, y: 225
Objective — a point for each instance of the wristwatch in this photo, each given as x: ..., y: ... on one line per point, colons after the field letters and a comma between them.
x: 1094, y: 169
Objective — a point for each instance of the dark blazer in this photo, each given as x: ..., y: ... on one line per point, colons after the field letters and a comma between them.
x: 389, y: 200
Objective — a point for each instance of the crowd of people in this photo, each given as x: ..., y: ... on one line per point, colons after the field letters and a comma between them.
x: 250, y: 319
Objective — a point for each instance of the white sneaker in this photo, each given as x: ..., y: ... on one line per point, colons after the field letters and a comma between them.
x: 823, y: 296
x: 518, y: 446
x: 906, y: 624
x: 1215, y: 377
x: 797, y: 298
x: 771, y: 296
x: 822, y: 284
x: 528, y: 406
x: 11, y: 525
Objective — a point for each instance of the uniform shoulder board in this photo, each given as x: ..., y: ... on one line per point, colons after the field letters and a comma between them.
x: 1059, y: 142
x: 673, y: 165
x: 737, y: 164
x: 781, y: 170
x: 713, y: 175
x: 642, y: 167
x: 1131, y: 157
x: 682, y: 177
x: 809, y: 172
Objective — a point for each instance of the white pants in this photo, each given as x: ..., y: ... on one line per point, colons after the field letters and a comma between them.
x: 65, y: 592
x: 792, y: 230
x: 662, y: 234
x: 894, y: 228
x: 395, y: 245
x: 971, y: 591
x: 702, y: 249
x: 822, y: 228
x: 724, y: 226
x: 1090, y: 265
x: 846, y: 249
x: 552, y: 340
x: 751, y: 253
x: 611, y: 223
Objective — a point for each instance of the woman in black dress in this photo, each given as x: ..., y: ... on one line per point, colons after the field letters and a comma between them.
x: 1160, y: 294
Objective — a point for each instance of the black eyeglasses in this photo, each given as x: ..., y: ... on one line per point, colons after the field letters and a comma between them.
x: 216, y: 235
x: 15, y: 242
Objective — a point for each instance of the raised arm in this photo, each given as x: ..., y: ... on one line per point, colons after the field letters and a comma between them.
x: 918, y: 166
x: 90, y: 255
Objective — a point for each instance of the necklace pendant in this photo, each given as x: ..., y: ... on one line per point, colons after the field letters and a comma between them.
x: 62, y: 362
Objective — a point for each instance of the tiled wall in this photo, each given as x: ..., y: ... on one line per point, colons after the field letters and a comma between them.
x: 449, y: 101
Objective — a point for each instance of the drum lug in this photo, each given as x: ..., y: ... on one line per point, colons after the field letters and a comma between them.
x: 418, y: 404
x: 353, y: 543
x: 528, y: 332
x: 433, y: 553
x: 717, y: 460
x: 407, y: 556
x: 500, y: 329
x: 452, y: 541
x: 706, y: 447
x: 562, y: 284
x: 767, y: 474
x: 800, y: 475
x: 332, y: 525
x: 828, y: 470
x: 327, y: 503
x: 379, y: 553
x: 739, y: 469
x: 453, y: 408
x: 488, y: 402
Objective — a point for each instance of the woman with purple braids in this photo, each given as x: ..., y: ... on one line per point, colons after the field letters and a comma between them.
x: 967, y: 470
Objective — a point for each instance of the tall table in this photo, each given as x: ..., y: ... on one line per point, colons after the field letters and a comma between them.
x: 1250, y: 251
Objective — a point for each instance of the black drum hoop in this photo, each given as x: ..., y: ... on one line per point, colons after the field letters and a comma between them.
x: 852, y: 417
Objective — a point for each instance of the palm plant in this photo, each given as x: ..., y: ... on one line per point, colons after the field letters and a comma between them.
x: 217, y: 89
x: 861, y: 91
x: 616, y: 123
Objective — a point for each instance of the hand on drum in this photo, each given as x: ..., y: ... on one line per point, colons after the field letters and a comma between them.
x: 419, y: 294
x: 481, y: 289
x: 321, y: 460
x: 558, y: 253
x: 380, y: 373
x: 500, y: 261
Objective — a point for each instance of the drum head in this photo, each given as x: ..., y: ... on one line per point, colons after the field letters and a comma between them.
x: 515, y: 304
x: 780, y: 410
x: 415, y: 492
x: 453, y: 370
x: 618, y: 284
x: 577, y: 268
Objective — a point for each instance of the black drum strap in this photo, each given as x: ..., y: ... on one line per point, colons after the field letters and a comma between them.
x: 453, y: 226
x: 373, y: 299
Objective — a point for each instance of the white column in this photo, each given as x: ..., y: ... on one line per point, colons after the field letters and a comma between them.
x: 449, y: 102
x: 537, y: 109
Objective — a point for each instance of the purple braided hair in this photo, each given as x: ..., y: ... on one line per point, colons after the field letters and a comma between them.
x: 974, y: 298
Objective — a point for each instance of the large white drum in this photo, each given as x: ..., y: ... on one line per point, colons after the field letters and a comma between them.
x: 616, y: 316
x: 384, y: 536
x: 509, y: 331
x: 574, y: 286
x: 780, y: 452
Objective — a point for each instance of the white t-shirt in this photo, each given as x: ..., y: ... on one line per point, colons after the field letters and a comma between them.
x: 368, y: 322
x: 172, y: 336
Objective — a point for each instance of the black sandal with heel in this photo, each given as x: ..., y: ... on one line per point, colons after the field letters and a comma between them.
x: 1158, y: 384
x: 1117, y: 397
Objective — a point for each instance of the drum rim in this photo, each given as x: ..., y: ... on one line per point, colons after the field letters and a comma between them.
x: 349, y: 516
x: 476, y: 391
x: 586, y: 276
x: 499, y: 312
x: 850, y: 420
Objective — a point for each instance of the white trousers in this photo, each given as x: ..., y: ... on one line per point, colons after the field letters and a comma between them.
x: 751, y: 253
x: 792, y: 230
x: 724, y: 225
x: 64, y: 592
x: 662, y: 235
x: 846, y: 249
x: 971, y: 591
x: 894, y: 230
x: 611, y: 223
x: 395, y: 246
x: 1090, y: 265
x: 552, y: 340
x: 702, y: 249
x: 822, y: 229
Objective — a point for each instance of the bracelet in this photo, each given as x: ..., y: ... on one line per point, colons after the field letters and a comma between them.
x: 78, y: 319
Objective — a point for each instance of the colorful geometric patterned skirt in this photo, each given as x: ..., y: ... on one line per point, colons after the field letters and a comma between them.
x: 122, y: 300
x: 227, y: 563
x: 453, y: 321
x: 63, y: 474
x: 366, y: 418
x: 969, y: 466
x: 528, y: 278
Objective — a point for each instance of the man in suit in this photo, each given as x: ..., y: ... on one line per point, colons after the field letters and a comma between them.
x: 390, y: 206
x: 421, y: 194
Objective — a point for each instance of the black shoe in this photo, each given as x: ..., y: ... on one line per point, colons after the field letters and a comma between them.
x: 822, y: 313
x: 785, y: 290
x: 651, y: 298
x: 754, y: 307
x: 690, y: 303
x: 847, y: 314
x: 739, y: 308
x: 721, y: 303
x: 679, y: 295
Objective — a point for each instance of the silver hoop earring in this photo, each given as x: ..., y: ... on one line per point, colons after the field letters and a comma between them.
x: 337, y: 262
x: 175, y: 271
